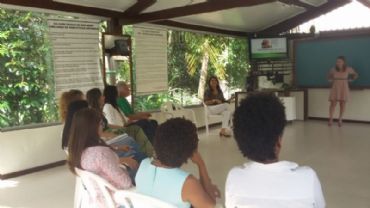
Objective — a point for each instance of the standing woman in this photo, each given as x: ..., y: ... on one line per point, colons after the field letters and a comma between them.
x: 340, y: 76
x: 215, y: 100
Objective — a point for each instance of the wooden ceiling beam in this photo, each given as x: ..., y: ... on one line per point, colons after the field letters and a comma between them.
x: 303, y: 17
x: 180, y: 25
x: 57, y: 6
x: 297, y: 3
x: 138, y: 7
x: 199, y: 8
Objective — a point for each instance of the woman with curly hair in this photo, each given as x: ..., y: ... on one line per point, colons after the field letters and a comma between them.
x: 176, y: 142
x: 65, y: 99
x: 265, y: 180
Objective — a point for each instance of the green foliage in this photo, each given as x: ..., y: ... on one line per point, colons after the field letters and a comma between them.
x: 199, y: 45
x: 178, y: 74
x: 26, y: 88
x: 236, y: 63
x: 174, y: 95
x: 228, y: 59
x: 123, y: 71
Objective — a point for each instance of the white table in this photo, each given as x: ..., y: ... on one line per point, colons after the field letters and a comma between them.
x: 290, y: 107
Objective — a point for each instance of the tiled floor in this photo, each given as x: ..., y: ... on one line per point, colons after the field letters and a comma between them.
x: 339, y: 155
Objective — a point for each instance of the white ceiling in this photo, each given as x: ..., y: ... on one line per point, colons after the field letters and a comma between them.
x: 166, y: 4
x: 115, y: 5
x: 246, y: 19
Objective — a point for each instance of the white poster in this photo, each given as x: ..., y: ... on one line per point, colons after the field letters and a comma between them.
x: 75, y: 46
x: 151, y: 59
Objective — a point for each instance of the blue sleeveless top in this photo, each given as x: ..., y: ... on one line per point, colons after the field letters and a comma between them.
x: 162, y: 183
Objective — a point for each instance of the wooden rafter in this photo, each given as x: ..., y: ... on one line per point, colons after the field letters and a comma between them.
x: 171, y: 23
x: 297, y: 3
x: 57, y: 6
x: 304, y: 17
x: 138, y: 7
x: 204, y: 7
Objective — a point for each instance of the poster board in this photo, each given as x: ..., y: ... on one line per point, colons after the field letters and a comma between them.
x: 75, y: 49
x: 151, y: 72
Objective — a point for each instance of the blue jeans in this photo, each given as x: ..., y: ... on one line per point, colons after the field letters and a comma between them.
x: 134, y: 152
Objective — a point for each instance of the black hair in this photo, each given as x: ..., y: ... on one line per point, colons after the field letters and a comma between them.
x: 259, y: 122
x: 72, y: 109
x: 218, y: 84
x: 343, y: 58
x: 175, y: 142
x: 111, y: 95
x: 93, y: 97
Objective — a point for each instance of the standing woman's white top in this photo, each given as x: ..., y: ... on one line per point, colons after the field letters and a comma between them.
x: 277, y: 185
x: 114, y: 116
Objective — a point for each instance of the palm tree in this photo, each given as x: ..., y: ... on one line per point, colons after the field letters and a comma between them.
x: 202, y: 51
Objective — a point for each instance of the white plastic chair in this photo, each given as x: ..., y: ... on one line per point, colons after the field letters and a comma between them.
x: 89, y: 186
x: 173, y: 110
x: 208, y: 116
x: 137, y: 200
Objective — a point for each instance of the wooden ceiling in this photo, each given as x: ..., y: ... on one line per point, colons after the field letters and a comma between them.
x: 214, y: 16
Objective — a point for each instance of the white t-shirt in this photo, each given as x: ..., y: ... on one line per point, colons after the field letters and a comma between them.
x: 277, y: 185
x: 114, y: 116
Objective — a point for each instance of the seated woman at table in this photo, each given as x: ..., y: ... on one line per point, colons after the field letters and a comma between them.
x: 88, y: 152
x: 217, y: 104
x: 176, y: 142
x: 96, y: 101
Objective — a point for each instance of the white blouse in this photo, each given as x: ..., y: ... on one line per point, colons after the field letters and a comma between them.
x: 114, y: 116
x: 280, y: 185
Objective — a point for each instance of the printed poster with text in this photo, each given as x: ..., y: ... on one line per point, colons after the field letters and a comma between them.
x: 151, y: 59
x: 75, y: 47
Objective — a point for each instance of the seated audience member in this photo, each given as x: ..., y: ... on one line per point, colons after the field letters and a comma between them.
x: 141, y: 119
x: 176, y: 142
x: 67, y: 98
x: 96, y: 101
x: 215, y: 100
x: 112, y: 113
x: 266, y: 182
x: 131, y: 160
x: 88, y: 152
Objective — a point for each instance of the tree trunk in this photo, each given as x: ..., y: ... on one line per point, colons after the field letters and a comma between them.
x: 203, y: 75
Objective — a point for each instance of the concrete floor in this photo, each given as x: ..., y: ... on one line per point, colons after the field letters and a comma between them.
x: 340, y: 157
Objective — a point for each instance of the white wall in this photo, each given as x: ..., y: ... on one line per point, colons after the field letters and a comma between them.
x: 28, y: 148
x: 24, y: 149
x: 358, y: 107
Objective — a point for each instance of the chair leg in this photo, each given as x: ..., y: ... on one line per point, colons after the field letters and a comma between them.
x: 207, y: 127
x: 207, y: 130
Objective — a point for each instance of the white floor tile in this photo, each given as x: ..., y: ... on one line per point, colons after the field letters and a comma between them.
x: 340, y: 157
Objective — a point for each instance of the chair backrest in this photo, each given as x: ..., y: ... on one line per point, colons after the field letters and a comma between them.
x: 94, y: 186
x: 137, y: 200
x: 170, y: 107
